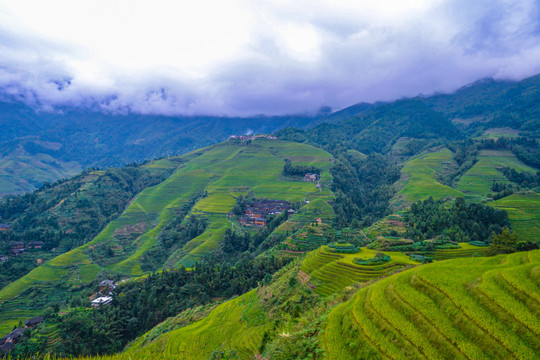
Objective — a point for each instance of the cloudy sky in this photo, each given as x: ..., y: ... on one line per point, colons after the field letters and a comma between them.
x: 248, y: 57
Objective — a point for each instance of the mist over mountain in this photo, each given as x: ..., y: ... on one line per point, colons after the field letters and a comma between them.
x: 48, y: 145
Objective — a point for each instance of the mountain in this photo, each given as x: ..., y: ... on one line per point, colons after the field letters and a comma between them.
x: 403, y: 229
x: 204, y: 185
x: 38, y: 147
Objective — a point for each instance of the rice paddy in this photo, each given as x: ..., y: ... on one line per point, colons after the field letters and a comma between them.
x: 524, y: 214
x: 480, y: 177
x: 330, y: 272
x: 420, y: 177
x: 456, y: 309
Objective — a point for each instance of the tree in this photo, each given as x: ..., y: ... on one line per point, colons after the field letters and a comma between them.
x: 504, y: 243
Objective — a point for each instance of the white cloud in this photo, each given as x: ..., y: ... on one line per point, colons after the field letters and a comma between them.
x: 244, y: 57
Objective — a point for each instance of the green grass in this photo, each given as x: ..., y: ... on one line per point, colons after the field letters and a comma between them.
x: 420, y: 174
x: 479, y: 178
x: 463, y: 308
x: 524, y: 213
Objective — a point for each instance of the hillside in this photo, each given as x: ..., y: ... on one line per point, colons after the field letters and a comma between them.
x: 204, y: 185
x: 316, y: 244
x: 466, y: 308
x: 446, y: 309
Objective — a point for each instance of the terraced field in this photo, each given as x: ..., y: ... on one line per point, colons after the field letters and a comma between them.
x: 465, y: 250
x: 480, y: 177
x: 223, y: 171
x: 524, y: 214
x: 330, y: 272
x: 457, y: 309
x: 238, y: 324
x: 420, y: 177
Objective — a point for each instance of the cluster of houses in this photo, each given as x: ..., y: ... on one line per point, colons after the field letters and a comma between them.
x: 8, y: 342
x: 5, y: 226
x: 18, y: 247
x: 253, y: 137
x: 257, y: 213
x: 105, y: 290
x: 312, y: 177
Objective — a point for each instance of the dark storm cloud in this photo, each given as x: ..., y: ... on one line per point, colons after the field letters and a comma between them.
x: 357, y: 58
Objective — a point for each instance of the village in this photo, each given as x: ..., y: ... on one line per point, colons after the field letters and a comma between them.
x: 252, y: 137
x: 8, y: 342
x: 101, y: 298
x: 257, y: 213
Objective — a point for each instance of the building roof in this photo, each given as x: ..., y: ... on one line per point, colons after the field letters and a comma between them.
x: 34, y: 321
x: 106, y: 283
x: 6, y: 347
x: 102, y: 300
x: 15, y: 334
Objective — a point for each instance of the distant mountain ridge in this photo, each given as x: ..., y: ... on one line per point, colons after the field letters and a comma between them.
x: 38, y: 147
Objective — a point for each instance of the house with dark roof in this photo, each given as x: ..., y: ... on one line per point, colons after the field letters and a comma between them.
x: 33, y: 322
x: 35, y: 244
x: 15, y: 335
x: 6, y: 346
x: 107, y: 285
x: 5, y: 227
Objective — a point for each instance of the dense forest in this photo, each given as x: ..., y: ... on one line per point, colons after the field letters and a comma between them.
x: 456, y: 222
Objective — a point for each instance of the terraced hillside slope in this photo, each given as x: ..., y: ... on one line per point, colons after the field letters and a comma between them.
x: 480, y: 177
x: 329, y: 272
x: 419, y: 178
x: 469, y: 308
x: 457, y: 309
x: 524, y: 214
x: 208, y: 180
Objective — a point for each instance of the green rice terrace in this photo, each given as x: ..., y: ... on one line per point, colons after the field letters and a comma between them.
x: 524, y: 214
x: 327, y: 271
x: 468, y: 308
x: 313, y: 235
x: 210, y: 179
x: 421, y: 175
x: 458, y: 309
x: 478, y: 179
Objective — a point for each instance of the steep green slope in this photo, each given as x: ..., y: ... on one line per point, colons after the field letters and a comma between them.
x: 222, y: 171
x: 419, y: 177
x: 524, y: 214
x: 464, y: 308
x: 478, y: 179
x: 329, y: 272
x: 38, y: 146
x: 456, y: 309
